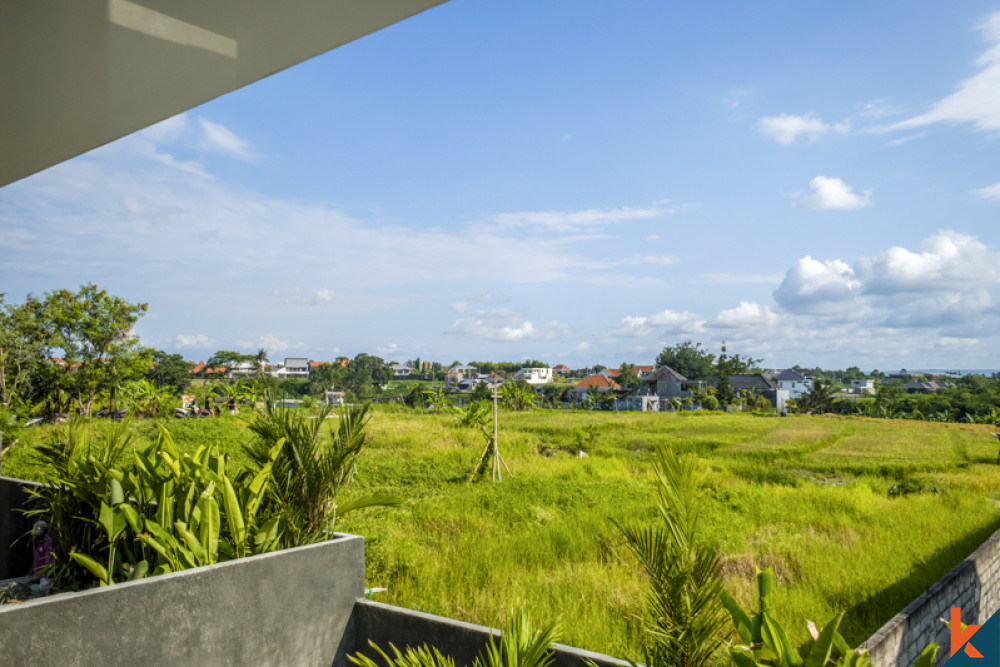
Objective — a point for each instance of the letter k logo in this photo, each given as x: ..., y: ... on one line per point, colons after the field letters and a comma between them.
x: 960, y: 636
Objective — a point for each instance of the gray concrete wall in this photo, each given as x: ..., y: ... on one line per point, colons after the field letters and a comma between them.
x: 382, y: 624
x: 973, y: 585
x: 290, y: 607
x: 15, y: 559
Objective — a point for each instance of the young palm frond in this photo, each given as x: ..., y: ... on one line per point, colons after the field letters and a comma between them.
x: 520, y: 645
x: 686, y: 623
x: 311, y: 470
x: 411, y: 657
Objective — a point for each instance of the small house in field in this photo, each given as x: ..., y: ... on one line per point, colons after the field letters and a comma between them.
x: 863, y: 386
x: 602, y: 383
x: 534, y: 375
x: 562, y: 370
x: 750, y: 383
x: 400, y: 371
x: 794, y: 382
x: 666, y: 383
x: 457, y: 373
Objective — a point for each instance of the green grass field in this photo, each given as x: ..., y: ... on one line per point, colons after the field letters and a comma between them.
x: 853, y: 514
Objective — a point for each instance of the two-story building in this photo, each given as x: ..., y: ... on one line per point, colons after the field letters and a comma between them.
x: 534, y: 375
x: 793, y: 382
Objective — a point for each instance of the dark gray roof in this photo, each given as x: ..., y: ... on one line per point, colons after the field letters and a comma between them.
x: 664, y: 374
x: 755, y: 381
x: 788, y: 375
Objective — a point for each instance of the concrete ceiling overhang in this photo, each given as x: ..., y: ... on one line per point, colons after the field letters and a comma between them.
x: 77, y: 74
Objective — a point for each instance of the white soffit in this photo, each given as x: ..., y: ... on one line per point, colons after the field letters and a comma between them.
x: 77, y: 74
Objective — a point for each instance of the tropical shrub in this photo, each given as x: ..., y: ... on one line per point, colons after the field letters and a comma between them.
x: 309, y: 471
x: 520, y: 645
x: 164, y: 512
x: 685, y: 622
x: 766, y: 644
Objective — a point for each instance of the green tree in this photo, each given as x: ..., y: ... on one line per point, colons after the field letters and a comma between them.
x: 169, y: 370
x: 723, y: 389
x: 688, y: 359
x: 261, y: 359
x: 325, y: 377
x: 628, y: 378
x: 365, y: 375
x: 94, y: 330
x: 517, y: 395
x: 890, y: 395
x: 819, y: 398
x: 23, y: 348
x: 229, y: 359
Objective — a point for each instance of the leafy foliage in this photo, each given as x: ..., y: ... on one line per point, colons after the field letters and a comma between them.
x: 94, y: 331
x: 688, y: 359
x: 517, y: 396
x: 520, y: 645
x: 310, y: 471
x: 164, y: 512
x: 684, y: 623
x: 766, y: 644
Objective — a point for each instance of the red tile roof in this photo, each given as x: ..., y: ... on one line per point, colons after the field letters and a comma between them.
x: 599, y: 381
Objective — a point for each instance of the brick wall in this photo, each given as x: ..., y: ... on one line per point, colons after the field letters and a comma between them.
x: 973, y: 585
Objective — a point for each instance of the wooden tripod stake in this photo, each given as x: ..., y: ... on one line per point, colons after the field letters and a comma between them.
x: 495, y: 443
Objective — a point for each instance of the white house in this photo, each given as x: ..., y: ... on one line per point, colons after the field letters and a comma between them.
x: 534, y: 375
x: 243, y: 369
x: 793, y: 382
x: 401, y: 371
x: 457, y: 373
x: 295, y: 367
x: 865, y: 386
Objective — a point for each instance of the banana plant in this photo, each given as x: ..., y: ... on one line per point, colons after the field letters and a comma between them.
x: 766, y: 644
x: 167, y: 512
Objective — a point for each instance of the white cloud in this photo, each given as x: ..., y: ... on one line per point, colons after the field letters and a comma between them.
x: 810, y: 284
x: 878, y: 109
x: 270, y: 342
x: 657, y: 260
x: 952, y: 342
x: 738, y: 278
x: 948, y: 260
x: 989, y: 192
x: 905, y: 140
x: 664, y: 322
x: 736, y: 97
x: 588, y: 219
x: 787, y: 128
x: 653, y: 238
x: 747, y: 314
x: 215, y: 137
x: 387, y: 350
x: 831, y: 194
x: 196, y: 340
x: 631, y: 327
x: 322, y: 296
x: 506, y: 326
x: 977, y: 99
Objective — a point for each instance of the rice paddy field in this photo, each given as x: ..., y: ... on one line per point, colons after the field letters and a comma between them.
x: 854, y: 514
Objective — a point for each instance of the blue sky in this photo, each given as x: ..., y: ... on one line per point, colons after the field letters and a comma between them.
x: 580, y: 182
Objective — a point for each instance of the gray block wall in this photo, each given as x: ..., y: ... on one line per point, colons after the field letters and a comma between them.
x: 382, y: 624
x: 290, y: 607
x: 973, y: 585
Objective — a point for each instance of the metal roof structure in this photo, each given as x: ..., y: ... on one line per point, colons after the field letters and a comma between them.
x: 75, y: 75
